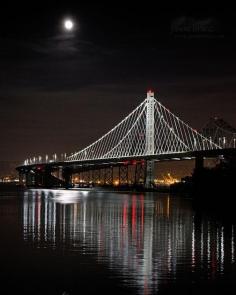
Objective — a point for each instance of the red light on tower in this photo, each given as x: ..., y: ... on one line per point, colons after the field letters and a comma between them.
x: 150, y: 93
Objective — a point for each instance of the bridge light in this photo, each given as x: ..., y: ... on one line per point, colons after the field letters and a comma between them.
x: 116, y: 182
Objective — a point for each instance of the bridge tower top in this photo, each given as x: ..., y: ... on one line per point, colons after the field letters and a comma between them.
x: 150, y: 94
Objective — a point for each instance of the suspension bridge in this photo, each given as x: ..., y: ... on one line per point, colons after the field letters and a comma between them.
x: 150, y: 133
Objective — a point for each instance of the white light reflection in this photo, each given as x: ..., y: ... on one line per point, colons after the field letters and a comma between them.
x: 232, y: 245
x: 222, y: 254
x: 208, y: 243
x: 66, y: 199
x: 217, y: 246
x: 193, y: 244
x: 145, y: 240
x: 63, y: 196
x: 202, y: 246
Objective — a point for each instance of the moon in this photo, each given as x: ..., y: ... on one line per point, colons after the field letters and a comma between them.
x: 68, y: 25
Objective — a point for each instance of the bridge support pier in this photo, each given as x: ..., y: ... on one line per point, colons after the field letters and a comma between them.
x: 139, y: 177
x: 47, y: 177
x: 67, y: 175
x: 29, y: 179
x: 150, y: 169
x: 123, y: 175
x: 38, y: 177
x: 199, y: 163
x: 96, y: 176
x: 60, y: 173
x: 21, y: 178
x: 108, y: 176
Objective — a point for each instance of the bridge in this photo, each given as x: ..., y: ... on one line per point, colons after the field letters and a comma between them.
x: 220, y: 132
x: 127, y: 153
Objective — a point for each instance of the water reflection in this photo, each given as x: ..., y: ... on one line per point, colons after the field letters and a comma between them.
x: 148, y: 240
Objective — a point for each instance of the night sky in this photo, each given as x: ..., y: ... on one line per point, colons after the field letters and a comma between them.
x: 60, y: 91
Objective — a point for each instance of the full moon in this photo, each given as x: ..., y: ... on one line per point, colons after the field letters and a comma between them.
x: 68, y: 24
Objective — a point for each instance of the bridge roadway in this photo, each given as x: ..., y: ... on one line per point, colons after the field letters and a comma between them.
x: 40, y: 174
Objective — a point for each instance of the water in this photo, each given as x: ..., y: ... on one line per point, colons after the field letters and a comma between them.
x: 75, y: 242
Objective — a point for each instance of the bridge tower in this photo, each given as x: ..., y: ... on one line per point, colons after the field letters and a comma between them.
x: 150, y: 145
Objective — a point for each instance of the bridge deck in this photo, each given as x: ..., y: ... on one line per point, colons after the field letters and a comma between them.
x: 114, y: 161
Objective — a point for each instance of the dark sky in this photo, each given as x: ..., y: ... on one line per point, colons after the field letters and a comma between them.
x: 60, y: 91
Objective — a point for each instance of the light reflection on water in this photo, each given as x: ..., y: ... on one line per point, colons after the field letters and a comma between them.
x: 149, y: 240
